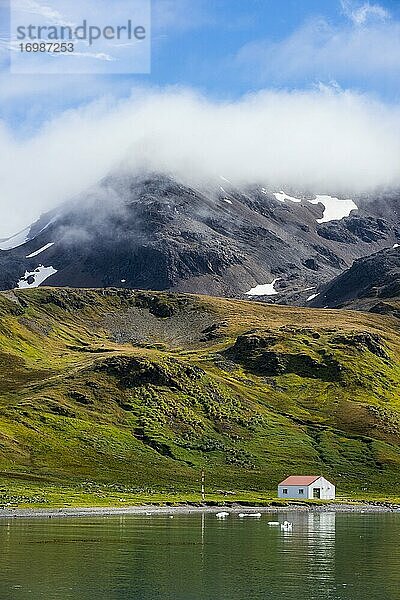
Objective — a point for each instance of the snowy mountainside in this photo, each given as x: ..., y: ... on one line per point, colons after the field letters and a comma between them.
x: 153, y: 232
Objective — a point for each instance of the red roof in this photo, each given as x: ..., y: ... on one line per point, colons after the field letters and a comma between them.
x: 300, y: 480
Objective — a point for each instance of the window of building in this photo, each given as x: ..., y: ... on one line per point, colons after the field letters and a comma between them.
x: 301, y: 491
x: 284, y: 491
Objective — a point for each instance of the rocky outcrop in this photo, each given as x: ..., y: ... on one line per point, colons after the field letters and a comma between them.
x: 258, y: 352
x: 132, y: 372
x: 154, y: 233
x: 366, y: 285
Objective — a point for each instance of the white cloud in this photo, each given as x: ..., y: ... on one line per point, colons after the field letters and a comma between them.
x: 316, y: 51
x: 360, y: 14
x: 96, y: 55
x: 41, y: 10
x: 325, y: 140
x: 93, y: 52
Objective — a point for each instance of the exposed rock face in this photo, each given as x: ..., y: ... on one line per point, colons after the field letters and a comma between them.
x: 371, y: 283
x: 363, y: 341
x: 133, y: 372
x: 154, y: 233
x: 351, y: 231
x: 386, y: 308
x: 309, y: 354
x: 260, y: 353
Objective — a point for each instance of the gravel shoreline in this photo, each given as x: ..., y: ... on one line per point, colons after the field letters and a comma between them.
x: 150, y: 510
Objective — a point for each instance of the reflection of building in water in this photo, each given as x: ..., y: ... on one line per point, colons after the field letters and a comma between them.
x: 312, y: 524
x: 312, y: 542
x: 322, y: 523
x: 321, y: 547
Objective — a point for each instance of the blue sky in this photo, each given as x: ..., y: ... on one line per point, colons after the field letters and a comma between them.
x: 227, y: 48
x: 224, y: 47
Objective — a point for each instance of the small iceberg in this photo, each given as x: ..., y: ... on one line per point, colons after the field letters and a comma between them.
x: 286, y: 526
x: 222, y: 515
x: 255, y: 515
x: 274, y: 523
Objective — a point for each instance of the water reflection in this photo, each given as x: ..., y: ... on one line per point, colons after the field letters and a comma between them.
x: 199, y: 557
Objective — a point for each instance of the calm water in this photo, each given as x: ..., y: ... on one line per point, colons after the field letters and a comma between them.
x: 198, y: 557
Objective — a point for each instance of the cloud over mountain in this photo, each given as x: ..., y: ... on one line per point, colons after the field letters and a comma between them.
x: 324, y: 140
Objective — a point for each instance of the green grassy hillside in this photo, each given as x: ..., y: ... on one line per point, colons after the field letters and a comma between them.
x: 118, y: 396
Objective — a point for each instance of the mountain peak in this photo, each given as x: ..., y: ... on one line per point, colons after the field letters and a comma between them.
x: 151, y: 231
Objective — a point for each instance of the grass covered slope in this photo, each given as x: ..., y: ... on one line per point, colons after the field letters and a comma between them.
x: 116, y: 395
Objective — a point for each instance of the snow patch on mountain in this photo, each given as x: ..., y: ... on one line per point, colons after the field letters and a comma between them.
x: 16, y: 240
x: 311, y: 297
x: 281, y: 196
x: 53, y: 220
x: 26, y: 235
x: 266, y: 289
x: 225, y: 199
x: 33, y: 254
x: 34, y: 278
x: 334, y: 208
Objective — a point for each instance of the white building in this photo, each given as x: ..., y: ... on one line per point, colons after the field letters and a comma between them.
x: 308, y: 487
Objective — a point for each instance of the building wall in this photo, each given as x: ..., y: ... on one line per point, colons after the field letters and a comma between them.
x: 293, y: 491
x: 327, y: 488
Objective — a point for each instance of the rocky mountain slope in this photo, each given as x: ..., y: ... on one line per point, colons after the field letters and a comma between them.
x: 131, y: 393
x: 372, y: 283
x: 155, y: 233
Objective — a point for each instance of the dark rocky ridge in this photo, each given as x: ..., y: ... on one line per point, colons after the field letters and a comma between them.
x: 155, y: 233
x: 372, y: 283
